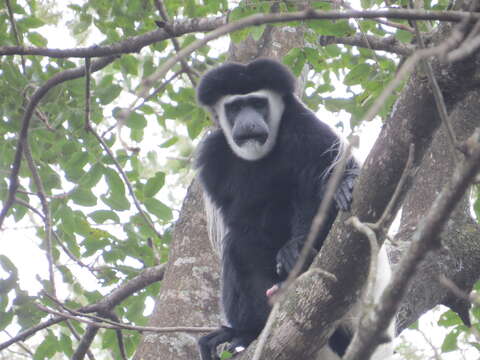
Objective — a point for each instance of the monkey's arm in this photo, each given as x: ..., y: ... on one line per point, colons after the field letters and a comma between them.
x: 343, y: 194
x: 307, y: 201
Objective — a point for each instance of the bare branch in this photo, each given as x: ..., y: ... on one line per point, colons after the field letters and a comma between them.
x: 129, y: 45
x: 85, y: 343
x: 77, y: 336
x: 139, y: 282
x: 109, y: 324
x: 389, y: 44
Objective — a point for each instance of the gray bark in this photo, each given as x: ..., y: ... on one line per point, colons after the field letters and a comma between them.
x: 459, y: 258
x: 189, y: 293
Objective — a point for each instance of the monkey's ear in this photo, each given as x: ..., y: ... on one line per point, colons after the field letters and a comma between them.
x: 214, y: 113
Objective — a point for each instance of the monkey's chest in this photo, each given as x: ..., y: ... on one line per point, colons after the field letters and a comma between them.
x: 260, y: 204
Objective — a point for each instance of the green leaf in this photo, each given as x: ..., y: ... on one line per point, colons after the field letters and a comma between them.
x: 129, y: 64
x: 159, y: 209
x: 107, y: 94
x: 154, y: 184
x: 93, y: 176
x: 48, y: 348
x: 66, y: 345
x: 257, y: 31
x: 84, y: 196
x: 196, y: 123
x: 226, y: 355
x: 119, y: 202
x: 6, y: 318
x: 169, y: 142
x: 358, y: 74
x: 136, y: 121
x: 295, y: 59
x: 101, y: 216
x: 331, y: 28
x: 404, y: 36
x: 30, y: 22
x: 37, y: 39
x: 114, y: 181
x: 449, y: 318
x: 450, y: 342
x: 68, y: 220
x: 74, y: 166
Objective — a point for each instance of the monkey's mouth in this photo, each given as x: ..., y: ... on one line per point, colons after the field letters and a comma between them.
x: 252, y: 138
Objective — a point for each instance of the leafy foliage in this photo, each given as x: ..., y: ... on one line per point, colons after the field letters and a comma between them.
x: 98, y: 231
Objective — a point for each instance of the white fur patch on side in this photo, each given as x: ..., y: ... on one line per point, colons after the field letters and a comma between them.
x: 215, y: 225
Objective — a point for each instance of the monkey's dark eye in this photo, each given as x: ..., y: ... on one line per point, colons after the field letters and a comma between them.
x: 259, y: 103
x: 233, y: 107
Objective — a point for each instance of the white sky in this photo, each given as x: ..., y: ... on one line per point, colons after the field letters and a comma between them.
x: 20, y: 243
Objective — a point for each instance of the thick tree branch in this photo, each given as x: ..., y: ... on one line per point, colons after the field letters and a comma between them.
x: 459, y: 257
x: 129, y: 45
x: 425, y: 239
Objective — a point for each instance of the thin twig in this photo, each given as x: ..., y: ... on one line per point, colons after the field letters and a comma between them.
x: 46, y: 212
x: 30, y: 207
x: 108, y: 324
x: 126, y: 181
x: 71, y: 255
x: 15, y: 32
x: 346, y: 5
x: 87, y: 94
x: 185, y: 67
x: 389, y: 44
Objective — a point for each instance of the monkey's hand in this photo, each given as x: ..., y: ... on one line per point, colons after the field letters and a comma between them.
x: 343, y: 194
x: 288, y: 255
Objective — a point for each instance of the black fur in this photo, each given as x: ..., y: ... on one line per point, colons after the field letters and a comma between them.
x: 267, y: 205
x: 233, y: 78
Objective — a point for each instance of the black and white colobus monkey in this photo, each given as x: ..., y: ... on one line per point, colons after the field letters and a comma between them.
x: 265, y: 169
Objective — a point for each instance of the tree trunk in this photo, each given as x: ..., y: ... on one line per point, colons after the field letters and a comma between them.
x: 189, y: 292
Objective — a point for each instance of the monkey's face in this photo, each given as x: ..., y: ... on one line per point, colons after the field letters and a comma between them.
x: 250, y: 122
